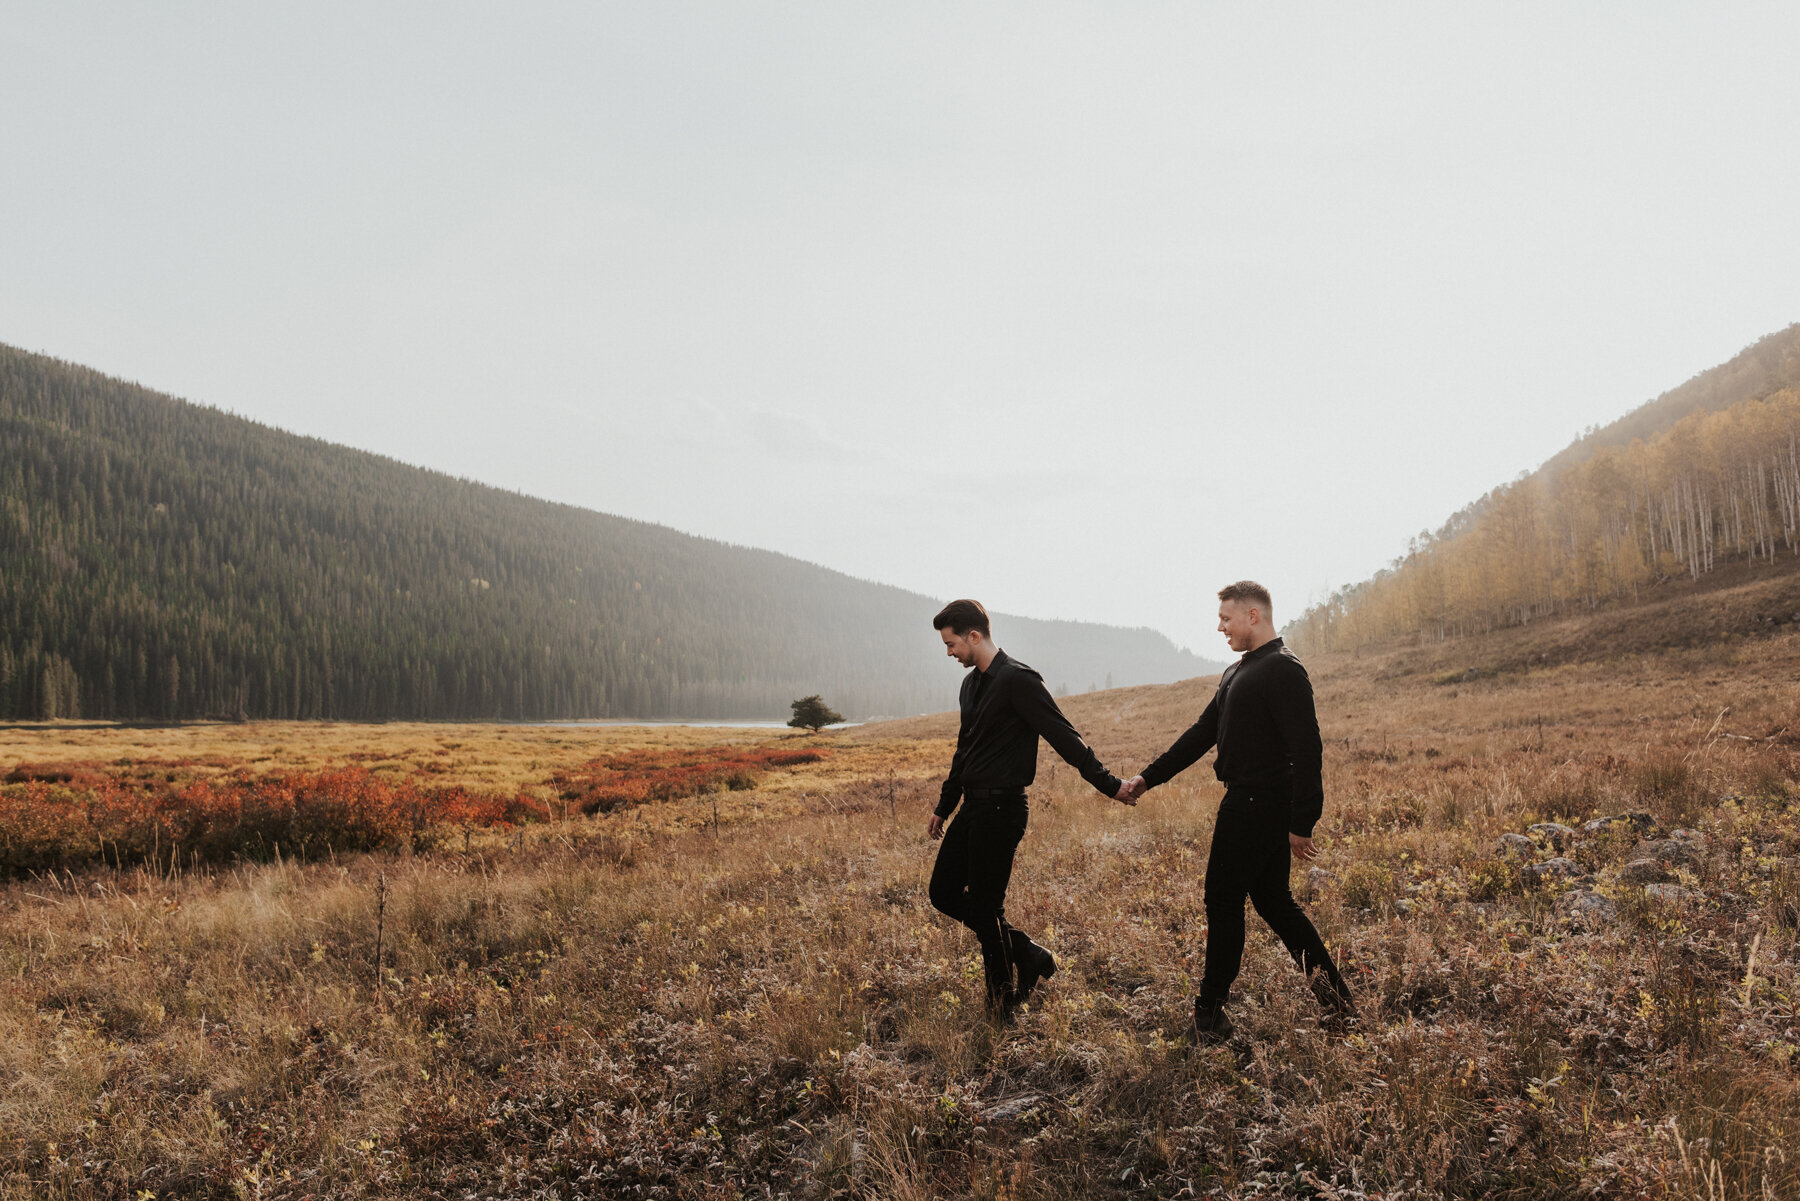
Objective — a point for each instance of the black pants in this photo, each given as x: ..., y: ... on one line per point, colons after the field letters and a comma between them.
x: 1250, y: 857
x: 974, y: 865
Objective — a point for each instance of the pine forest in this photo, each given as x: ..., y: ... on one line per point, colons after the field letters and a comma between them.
x: 161, y: 560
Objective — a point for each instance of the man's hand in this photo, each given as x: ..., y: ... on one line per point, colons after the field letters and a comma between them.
x: 1126, y: 794
x: 934, y: 829
x: 1303, y: 848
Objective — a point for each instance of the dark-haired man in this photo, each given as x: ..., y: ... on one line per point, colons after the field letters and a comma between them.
x: 1263, y: 721
x: 1005, y: 709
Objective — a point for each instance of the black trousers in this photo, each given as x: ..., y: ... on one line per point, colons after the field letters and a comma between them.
x: 968, y: 883
x: 1250, y: 857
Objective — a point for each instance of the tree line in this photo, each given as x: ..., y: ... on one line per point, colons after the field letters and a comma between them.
x: 1714, y: 487
x: 161, y: 560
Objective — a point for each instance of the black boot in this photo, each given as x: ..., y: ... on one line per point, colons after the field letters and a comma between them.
x: 1334, y: 998
x: 1211, y: 1026
x: 1033, y: 962
x: 1002, y: 1003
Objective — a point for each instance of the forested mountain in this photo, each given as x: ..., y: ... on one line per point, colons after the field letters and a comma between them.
x: 163, y: 560
x: 1706, y: 474
x: 1758, y: 372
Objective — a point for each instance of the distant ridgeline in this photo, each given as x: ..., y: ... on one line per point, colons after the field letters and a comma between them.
x: 1705, y: 474
x: 162, y: 560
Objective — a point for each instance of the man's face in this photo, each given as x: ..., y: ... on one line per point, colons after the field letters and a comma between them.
x: 961, y: 647
x: 1238, y: 622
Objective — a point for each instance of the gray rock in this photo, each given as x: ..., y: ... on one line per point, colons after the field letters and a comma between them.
x: 1587, y: 909
x: 1011, y: 1108
x: 1669, y: 894
x: 1643, y: 871
x: 1636, y: 820
x: 1404, y: 907
x: 1555, y: 833
x: 1692, y: 845
x: 1318, y: 879
x: 1551, y: 870
x: 1686, y: 851
x: 1515, y: 846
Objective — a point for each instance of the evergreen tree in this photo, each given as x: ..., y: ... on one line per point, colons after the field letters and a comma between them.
x: 812, y: 713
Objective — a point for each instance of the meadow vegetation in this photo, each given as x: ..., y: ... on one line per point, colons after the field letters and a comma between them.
x: 743, y: 992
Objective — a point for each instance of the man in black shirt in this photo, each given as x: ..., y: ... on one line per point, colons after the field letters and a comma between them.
x: 1263, y: 722
x: 1005, y: 709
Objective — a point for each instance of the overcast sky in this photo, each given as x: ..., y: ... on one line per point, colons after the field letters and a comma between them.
x: 1080, y: 309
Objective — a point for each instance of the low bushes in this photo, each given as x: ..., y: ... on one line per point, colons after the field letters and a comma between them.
x: 73, y: 818
x: 669, y: 774
x: 55, y: 816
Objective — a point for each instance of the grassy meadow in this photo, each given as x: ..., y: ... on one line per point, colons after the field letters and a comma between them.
x: 744, y: 993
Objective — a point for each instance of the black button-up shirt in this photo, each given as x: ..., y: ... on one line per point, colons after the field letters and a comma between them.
x: 1263, y: 721
x: 1004, y: 711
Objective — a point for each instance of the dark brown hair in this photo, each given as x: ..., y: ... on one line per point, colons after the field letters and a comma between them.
x: 963, y: 616
x: 1249, y: 592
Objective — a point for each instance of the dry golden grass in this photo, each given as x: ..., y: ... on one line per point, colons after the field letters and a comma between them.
x: 487, y: 758
x: 668, y: 1003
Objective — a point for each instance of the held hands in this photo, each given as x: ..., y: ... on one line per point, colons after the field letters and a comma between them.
x: 1131, y: 790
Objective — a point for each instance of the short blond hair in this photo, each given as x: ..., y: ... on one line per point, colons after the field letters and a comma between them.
x: 1249, y: 592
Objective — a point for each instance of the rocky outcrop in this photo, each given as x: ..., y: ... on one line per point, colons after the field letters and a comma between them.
x: 1515, y: 846
x: 1587, y: 910
x: 1551, y: 871
x: 1636, y: 820
x: 1554, y: 834
x: 1644, y: 871
x: 1686, y: 848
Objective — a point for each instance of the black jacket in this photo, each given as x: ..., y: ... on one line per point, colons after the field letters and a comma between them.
x: 1004, y: 711
x: 1263, y: 721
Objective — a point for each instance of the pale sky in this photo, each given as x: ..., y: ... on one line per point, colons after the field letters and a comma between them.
x: 1083, y: 310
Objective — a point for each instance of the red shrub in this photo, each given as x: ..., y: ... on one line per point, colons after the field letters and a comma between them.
x: 87, y: 817
x: 668, y: 774
x: 79, y: 775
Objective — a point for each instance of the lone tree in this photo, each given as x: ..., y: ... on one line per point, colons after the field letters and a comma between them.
x: 812, y: 713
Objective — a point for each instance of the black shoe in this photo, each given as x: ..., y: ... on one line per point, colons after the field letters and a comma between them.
x: 1334, y: 998
x: 1211, y: 1026
x: 1035, y: 963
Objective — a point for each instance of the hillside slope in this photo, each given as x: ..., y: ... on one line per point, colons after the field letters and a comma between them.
x: 160, y: 560
x: 1707, y: 478
x: 1759, y: 371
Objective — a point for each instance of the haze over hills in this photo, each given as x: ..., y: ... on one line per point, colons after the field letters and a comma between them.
x: 162, y: 560
x: 1706, y: 476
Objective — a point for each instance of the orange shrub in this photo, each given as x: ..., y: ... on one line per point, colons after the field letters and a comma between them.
x: 668, y: 774
x: 77, y: 817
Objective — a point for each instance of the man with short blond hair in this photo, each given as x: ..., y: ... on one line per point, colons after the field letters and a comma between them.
x: 1270, y: 760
